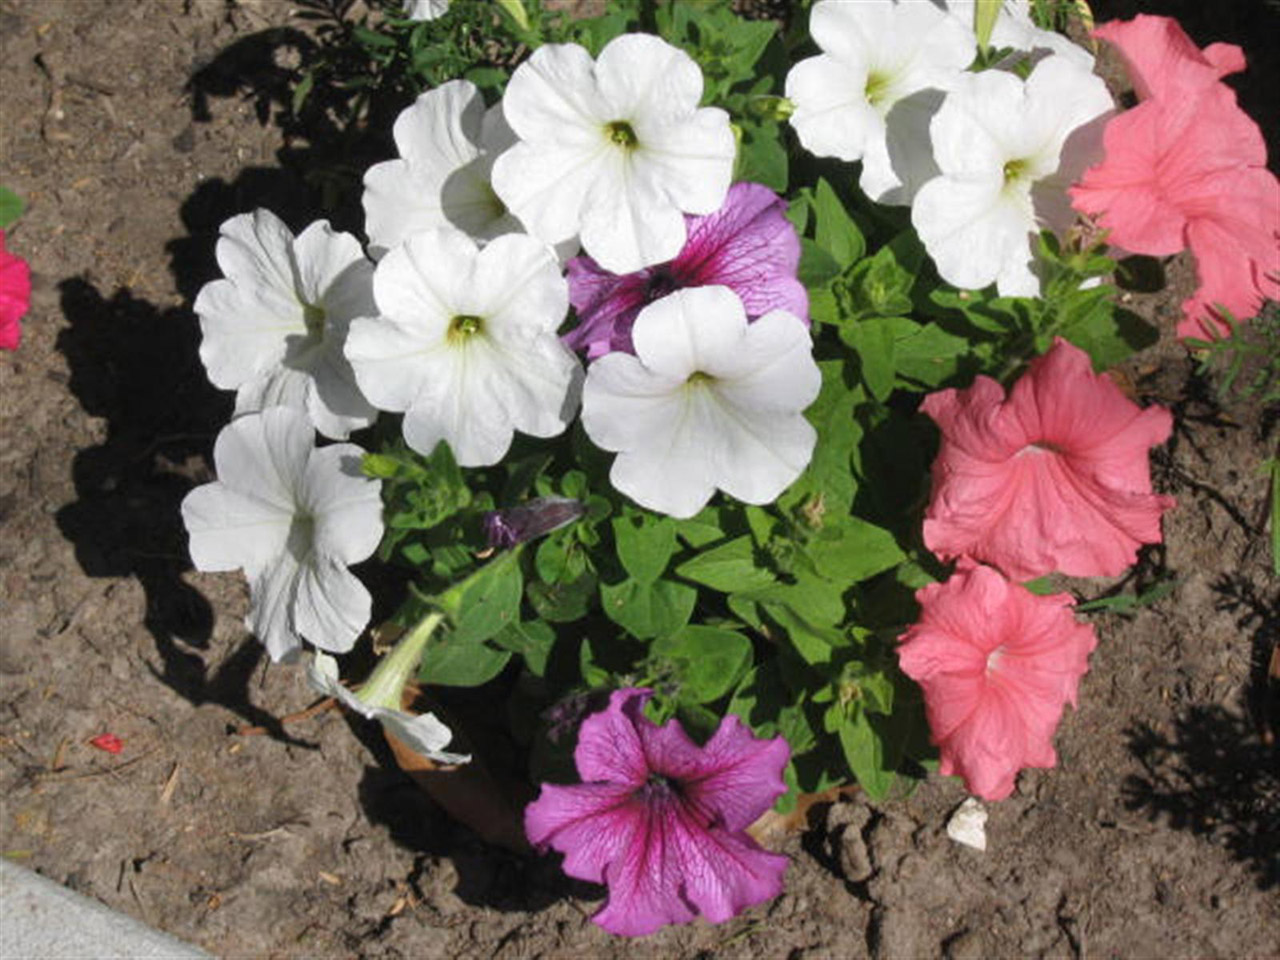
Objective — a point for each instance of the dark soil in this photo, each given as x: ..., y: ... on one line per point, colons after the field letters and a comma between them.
x: 1158, y: 835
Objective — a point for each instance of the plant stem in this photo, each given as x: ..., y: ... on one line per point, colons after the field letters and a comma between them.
x: 385, y: 684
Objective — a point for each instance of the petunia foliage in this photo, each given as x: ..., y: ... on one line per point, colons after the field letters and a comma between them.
x: 685, y: 506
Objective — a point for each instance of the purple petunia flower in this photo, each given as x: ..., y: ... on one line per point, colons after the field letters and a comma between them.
x: 747, y: 245
x: 663, y: 821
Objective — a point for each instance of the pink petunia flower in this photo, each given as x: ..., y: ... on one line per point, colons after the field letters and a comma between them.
x: 996, y: 663
x: 1186, y: 168
x: 663, y: 821
x: 747, y: 245
x: 1053, y: 478
x: 15, y: 296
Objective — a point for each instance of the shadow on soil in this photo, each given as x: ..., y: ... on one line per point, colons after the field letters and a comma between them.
x: 136, y: 366
x: 1214, y: 778
x: 487, y: 875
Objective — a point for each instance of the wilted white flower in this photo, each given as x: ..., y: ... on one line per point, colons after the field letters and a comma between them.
x: 423, y: 733
x: 447, y: 143
x: 614, y: 150
x: 707, y: 402
x: 275, y: 325
x: 1008, y: 150
x: 871, y: 93
x: 465, y: 343
x: 425, y: 9
x: 294, y: 517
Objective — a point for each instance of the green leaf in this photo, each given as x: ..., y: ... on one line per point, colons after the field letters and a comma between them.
x: 489, y: 604
x: 829, y: 479
x: 853, y: 549
x: 1109, y: 334
x: 879, y: 286
x: 865, y: 753
x: 818, y: 600
x: 836, y: 231
x: 532, y: 640
x: 645, y: 544
x: 11, y: 207
x: 815, y: 644
x: 729, y: 568
x: 926, y: 354
x: 452, y: 664
x: 1041, y: 586
x: 300, y: 93
x: 647, y: 610
x: 762, y: 157
x: 371, y: 38
x: 817, y: 267
x: 563, y: 602
x: 872, y: 340
x: 709, y: 660
x: 592, y: 673
x: 702, y: 529
x: 515, y: 10
x: 552, y: 560
x: 487, y: 78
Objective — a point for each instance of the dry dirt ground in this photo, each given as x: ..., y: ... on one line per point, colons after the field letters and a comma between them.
x: 1157, y: 836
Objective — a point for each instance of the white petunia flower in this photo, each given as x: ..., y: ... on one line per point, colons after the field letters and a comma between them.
x: 1015, y: 29
x: 447, y: 143
x: 707, y: 402
x: 1008, y: 150
x: 466, y: 343
x: 294, y: 517
x: 614, y: 150
x: 425, y: 9
x: 423, y: 733
x: 870, y: 95
x: 274, y: 326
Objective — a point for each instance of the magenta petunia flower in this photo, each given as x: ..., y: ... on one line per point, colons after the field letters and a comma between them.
x: 747, y: 245
x: 1187, y: 168
x: 996, y: 663
x: 662, y: 821
x: 15, y: 296
x: 1053, y: 478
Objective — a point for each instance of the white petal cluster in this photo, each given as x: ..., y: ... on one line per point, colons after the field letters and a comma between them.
x: 614, y: 150
x: 465, y: 343
x: 708, y: 402
x: 293, y: 517
x: 423, y: 733
x: 871, y: 93
x: 1007, y: 150
x: 274, y: 326
x: 447, y: 143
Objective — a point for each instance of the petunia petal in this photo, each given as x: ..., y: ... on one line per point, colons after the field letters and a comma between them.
x: 345, y: 504
x: 330, y: 606
x: 229, y: 530
x: 271, y: 599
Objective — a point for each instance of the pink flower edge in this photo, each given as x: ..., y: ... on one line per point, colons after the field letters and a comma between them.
x: 15, y: 296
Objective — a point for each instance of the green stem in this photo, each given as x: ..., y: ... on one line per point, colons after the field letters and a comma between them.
x: 385, y: 684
